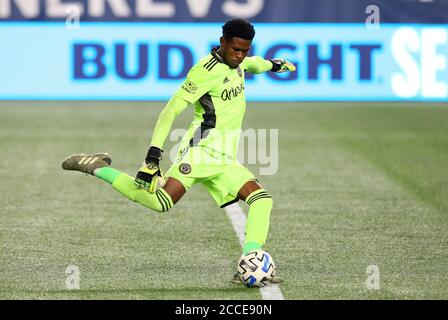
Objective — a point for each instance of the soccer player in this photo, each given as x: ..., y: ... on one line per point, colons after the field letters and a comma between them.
x: 208, y: 151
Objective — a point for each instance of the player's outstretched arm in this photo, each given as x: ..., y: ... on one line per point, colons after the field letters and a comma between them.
x: 173, y: 108
x: 150, y: 168
x: 257, y: 64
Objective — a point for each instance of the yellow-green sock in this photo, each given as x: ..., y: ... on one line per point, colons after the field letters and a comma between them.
x: 257, y: 225
x: 159, y: 201
x: 107, y: 174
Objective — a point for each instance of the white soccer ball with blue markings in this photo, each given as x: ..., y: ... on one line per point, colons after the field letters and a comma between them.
x: 256, y: 268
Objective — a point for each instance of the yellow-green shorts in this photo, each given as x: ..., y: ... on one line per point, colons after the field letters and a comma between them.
x: 222, y: 177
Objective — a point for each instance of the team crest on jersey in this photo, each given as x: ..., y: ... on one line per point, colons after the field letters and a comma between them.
x: 185, y: 168
x: 189, y: 86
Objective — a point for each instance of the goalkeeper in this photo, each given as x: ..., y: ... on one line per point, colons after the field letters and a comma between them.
x: 208, y: 151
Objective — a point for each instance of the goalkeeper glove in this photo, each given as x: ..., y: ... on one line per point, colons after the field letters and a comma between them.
x: 282, y: 65
x: 147, y: 175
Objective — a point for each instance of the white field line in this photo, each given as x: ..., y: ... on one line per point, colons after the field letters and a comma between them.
x: 238, y: 219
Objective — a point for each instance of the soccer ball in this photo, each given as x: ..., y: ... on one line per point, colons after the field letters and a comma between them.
x: 256, y: 268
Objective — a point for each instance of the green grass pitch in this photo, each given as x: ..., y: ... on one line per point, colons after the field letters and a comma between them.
x: 357, y: 185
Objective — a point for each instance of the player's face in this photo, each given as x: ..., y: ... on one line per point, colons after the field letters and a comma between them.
x: 234, y: 50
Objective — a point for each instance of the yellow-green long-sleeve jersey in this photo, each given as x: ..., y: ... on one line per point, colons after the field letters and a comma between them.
x: 217, y: 93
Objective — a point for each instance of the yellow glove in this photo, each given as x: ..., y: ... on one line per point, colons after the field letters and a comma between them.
x: 281, y: 65
x: 148, y: 175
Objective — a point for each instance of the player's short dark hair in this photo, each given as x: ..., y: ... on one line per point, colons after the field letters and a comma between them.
x: 239, y: 28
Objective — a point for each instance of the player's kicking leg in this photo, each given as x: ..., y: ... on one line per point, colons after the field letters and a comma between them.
x: 99, y: 165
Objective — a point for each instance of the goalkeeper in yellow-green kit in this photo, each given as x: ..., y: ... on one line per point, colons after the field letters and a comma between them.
x: 208, y: 151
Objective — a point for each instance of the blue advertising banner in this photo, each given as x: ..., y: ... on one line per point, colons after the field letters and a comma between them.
x: 148, y: 61
x: 409, y: 11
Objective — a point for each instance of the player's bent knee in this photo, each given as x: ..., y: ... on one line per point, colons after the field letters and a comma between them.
x: 157, y: 206
x: 162, y: 208
x: 159, y: 201
x: 165, y: 203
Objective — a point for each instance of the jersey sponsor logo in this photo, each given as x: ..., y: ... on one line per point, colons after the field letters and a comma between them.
x: 229, y: 94
x: 185, y: 168
x: 189, y: 86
